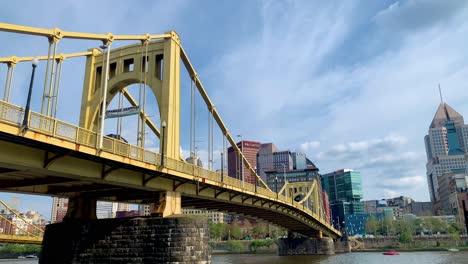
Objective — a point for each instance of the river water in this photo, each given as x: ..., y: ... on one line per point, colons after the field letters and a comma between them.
x: 350, y: 258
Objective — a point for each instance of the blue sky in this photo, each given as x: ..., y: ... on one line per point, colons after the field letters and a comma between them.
x: 353, y: 84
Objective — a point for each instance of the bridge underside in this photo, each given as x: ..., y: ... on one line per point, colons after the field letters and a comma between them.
x: 30, y: 166
x: 262, y: 213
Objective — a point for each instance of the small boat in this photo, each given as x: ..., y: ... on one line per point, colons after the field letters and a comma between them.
x: 453, y: 249
x: 391, y: 252
x: 31, y: 256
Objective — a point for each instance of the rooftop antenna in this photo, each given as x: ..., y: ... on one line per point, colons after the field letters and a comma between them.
x: 441, y: 98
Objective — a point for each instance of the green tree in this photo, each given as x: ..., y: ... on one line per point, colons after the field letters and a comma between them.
x: 405, y: 237
x: 438, y: 225
x: 260, y: 230
x: 217, y: 231
x: 454, y: 231
x: 235, y: 231
x: 372, y: 225
x: 418, y: 225
x: 388, y: 227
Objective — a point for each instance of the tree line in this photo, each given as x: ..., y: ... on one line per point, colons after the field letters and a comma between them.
x: 406, y: 228
x: 223, y: 231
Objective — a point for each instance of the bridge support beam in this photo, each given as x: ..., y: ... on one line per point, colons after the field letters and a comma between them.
x: 306, y: 246
x: 127, y: 240
x: 168, y: 204
x: 81, y: 208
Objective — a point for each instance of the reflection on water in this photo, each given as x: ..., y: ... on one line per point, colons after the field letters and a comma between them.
x: 350, y: 258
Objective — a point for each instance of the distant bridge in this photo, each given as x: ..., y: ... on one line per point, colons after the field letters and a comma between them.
x: 12, y: 232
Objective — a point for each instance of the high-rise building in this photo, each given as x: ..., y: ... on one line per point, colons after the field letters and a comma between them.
x: 104, y: 209
x: 276, y: 178
x: 123, y: 207
x: 458, y: 199
x: 59, y: 209
x: 110, y: 209
x: 236, y: 168
x: 299, y: 160
x: 145, y: 209
x: 344, y: 188
x: 282, y: 160
x: 419, y: 208
x: 446, y: 144
x: 265, y: 161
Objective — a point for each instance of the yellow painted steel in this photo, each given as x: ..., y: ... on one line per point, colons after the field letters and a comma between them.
x: 163, y: 77
x: 55, y: 132
x: 20, y: 217
x: 28, y: 238
x: 148, y: 121
x: 59, y: 34
x: 14, y: 59
x: 20, y: 239
x: 127, y: 70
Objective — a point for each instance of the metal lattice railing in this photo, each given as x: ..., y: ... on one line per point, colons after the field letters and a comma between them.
x: 13, y: 115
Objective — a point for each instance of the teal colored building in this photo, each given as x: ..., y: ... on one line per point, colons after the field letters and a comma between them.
x: 344, y: 188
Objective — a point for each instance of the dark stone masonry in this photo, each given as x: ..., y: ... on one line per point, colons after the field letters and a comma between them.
x: 127, y: 240
x: 306, y: 246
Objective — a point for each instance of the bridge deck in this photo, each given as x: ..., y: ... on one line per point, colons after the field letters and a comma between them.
x: 56, y: 158
x: 20, y: 239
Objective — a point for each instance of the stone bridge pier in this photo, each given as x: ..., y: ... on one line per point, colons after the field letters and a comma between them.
x: 306, y: 246
x: 83, y: 239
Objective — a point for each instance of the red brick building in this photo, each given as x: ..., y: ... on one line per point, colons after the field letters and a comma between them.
x: 236, y: 168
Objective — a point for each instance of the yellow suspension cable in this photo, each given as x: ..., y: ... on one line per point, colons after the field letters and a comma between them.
x: 46, y: 76
x: 51, y: 82
x: 5, y: 92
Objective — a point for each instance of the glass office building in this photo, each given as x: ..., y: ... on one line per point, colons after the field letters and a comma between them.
x: 344, y: 188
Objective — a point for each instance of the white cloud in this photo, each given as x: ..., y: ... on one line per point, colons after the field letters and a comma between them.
x: 364, y: 147
x: 360, y: 81
x: 404, y: 182
x: 310, y: 146
x: 417, y: 14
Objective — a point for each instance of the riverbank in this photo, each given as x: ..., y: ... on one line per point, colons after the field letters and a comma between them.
x: 419, y: 243
x: 411, y: 249
x: 260, y: 246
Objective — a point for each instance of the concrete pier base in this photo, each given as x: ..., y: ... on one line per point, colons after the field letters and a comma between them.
x: 127, y: 240
x: 306, y: 246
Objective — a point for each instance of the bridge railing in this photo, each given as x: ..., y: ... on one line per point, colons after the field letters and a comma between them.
x: 12, y: 114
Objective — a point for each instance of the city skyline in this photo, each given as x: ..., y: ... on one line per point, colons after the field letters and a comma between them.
x: 352, y: 85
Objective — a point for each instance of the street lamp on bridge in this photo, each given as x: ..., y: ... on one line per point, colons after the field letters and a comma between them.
x: 35, y: 61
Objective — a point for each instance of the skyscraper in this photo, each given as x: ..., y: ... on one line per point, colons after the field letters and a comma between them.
x: 104, y: 209
x: 59, y: 209
x: 282, y: 160
x: 236, y: 168
x: 265, y: 161
x: 344, y: 189
x: 446, y: 144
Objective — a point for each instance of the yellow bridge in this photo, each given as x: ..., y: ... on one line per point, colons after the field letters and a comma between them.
x: 12, y: 232
x: 40, y: 154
